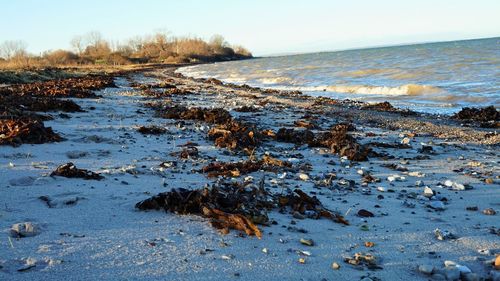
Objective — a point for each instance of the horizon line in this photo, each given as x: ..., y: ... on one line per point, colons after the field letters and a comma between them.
x: 286, y: 54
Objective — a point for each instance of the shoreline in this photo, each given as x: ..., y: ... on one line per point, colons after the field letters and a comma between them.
x: 90, y: 228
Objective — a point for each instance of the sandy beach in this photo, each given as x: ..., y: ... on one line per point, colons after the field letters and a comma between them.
x: 420, y: 192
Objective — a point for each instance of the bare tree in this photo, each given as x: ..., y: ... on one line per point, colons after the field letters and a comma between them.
x: 10, y: 49
x: 78, y: 44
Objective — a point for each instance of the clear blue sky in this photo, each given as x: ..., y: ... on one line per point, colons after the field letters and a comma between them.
x: 263, y: 26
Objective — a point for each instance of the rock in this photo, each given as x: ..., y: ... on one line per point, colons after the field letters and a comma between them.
x: 265, y: 251
x: 437, y: 205
x: 489, y: 212
x: 307, y: 242
x: 489, y: 181
x: 381, y: 189
x: 405, y: 140
x: 452, y: 273
x: 497, y: 263
x: 463, y: 269
x: 419, y: 183
x: 365, y: 213
x: 448, y: 183
x: 450, y: 263
x: 24, y: 229
x: 426, y: 269
x: 428, y: 192
x: 303, y: 177
x: 471, y: 208
x: 443, y: 234
x: 335, y: 266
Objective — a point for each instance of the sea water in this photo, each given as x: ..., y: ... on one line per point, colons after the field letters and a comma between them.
x: 433, y: 77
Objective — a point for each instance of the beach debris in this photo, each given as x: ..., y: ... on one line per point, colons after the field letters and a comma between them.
x: 365, y: 260
x: 151, y: 130
x: 336, y: 139
x: 77, y: 87
x: 489, y: 212
x: 69, y: 170
x: 209, y: 115
x: 496, y: 264
x: 235, y: 135
x: 235, y: 169
x: 488, y: 116
x: 190, y: 151
x: 237, y: 205
x: 444, y: 234
x: 307, y: 242
x: 246, y: 108
x: 19, y: 131
x: 24, y: 229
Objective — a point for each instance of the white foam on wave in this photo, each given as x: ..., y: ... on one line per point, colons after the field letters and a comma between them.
x: 403, y: 90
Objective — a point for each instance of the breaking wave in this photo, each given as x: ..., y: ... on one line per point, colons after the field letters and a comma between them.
x: 404, y: 90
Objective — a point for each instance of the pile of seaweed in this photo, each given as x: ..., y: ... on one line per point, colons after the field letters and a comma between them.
x: 240, y: 206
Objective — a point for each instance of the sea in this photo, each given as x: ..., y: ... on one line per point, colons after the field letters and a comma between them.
x: 438, y: 78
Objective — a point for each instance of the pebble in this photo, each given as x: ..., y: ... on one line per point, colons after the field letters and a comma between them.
x: 303, y: 177
x: 381, y: 189
x: 428, y: 192
x: 419, y: 183
x: 426, y: 269
x: 335, y: 266
x: 307, y: 242
x: 24, y: 229
x: 265, y: 251
x: 489, y: 212
x: 405, y: 140
x: 437, y: 205
x: 489, y: 181
x: 365, y: 213
x: 443, y: 234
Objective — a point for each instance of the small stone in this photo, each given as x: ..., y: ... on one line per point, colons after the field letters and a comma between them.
x: 335, y: 266
x: 307, y: 242
x: 360, y: 172
x: 437, y: 205
x: 463, y: 269
x: 365, y: 213
x: 450, y: 263
x: 497, y: 263
x: 303, y: 177
x: 428, y: 192
x: 489, y: 181
x: 265, y: 251
x: 489, y: 212
x: 381, y: 189
x: 419, y: 183
x: 471, y: 208
x: 426, y: 269
x: 405, y: 140
x: 448, y: 183
x: 302, y: 260
x: 369, y: 244
x: 391, y: 178
x: 443, y: 234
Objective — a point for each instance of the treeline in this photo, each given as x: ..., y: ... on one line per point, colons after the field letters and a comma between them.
x: 93, y: 49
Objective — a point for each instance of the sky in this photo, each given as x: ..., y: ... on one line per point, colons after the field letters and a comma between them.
x: 265, y: 27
